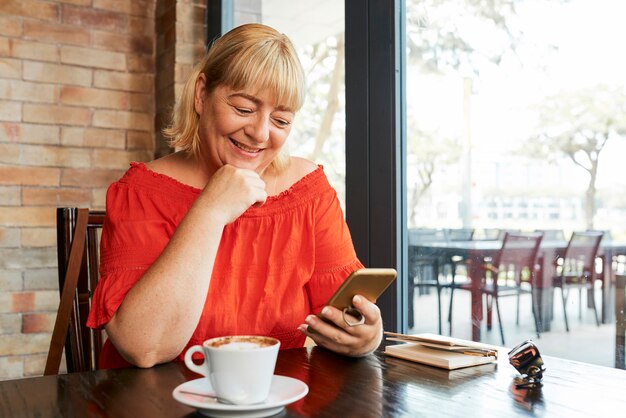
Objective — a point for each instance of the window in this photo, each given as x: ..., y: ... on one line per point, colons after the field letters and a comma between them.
x: 524, y: 101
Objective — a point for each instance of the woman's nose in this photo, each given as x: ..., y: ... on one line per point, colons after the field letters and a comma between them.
x: 259, y: 129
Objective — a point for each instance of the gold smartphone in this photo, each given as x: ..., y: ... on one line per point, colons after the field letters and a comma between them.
x: 368, y: 282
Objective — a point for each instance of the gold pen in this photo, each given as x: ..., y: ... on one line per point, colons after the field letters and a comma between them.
x: 481, y: 353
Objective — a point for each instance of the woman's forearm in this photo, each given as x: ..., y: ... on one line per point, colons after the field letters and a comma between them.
x: 160, y: 313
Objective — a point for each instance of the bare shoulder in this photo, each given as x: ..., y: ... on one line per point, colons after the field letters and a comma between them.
x: 297, y: 169
x: 165, y: 165
x: 177, y: 166
x: 301, y: 167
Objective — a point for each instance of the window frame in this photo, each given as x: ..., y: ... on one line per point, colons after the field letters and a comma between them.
x: 376, y: 150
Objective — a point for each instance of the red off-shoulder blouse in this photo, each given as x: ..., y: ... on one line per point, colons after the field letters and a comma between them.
x: 275, y: 264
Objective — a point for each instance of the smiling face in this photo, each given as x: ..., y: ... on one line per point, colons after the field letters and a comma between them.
x: 243, y: 128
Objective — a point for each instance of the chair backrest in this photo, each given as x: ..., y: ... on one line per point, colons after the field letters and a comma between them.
x: 519, y: 252
x: 503, y: 232
x: 581, y: 252
x: 459, y: 234
x: 607, y: 235
x: 78, y: 241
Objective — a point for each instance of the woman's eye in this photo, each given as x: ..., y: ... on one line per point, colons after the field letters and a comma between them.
x: 282, y: 122
x: 243, y: 110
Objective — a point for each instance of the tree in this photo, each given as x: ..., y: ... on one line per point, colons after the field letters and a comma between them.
x: 441, y: 48
x: 323, y: 110
x: 429, y: 149
x: 440, y: 33
x: 442, y: 39
x: 332, y: 99
x: 439, y: 40
x: 577, y: 125
x: 435, y: 43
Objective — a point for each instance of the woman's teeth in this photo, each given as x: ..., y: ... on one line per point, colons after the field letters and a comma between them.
x: 243, y: 147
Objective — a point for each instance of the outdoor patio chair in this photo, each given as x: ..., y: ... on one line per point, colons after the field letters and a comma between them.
x: 577, y: 270
x: 424, y: 269
x: 512, y: 272
x: 453, y: 263
x: 452, y: 235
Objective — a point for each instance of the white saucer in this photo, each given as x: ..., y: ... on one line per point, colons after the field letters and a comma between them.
x: 199, y: 394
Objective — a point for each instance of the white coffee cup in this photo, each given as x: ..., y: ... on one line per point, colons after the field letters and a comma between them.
x: 240, y: 368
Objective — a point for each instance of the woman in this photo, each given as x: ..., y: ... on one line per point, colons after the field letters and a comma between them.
x: 228, y: 235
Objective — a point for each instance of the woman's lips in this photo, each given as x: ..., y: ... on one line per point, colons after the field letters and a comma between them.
x: 245, y: 147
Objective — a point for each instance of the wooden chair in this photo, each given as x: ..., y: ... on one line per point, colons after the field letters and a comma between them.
x: 78, y: 238
x: 577, y: 269
x: 511, y: 273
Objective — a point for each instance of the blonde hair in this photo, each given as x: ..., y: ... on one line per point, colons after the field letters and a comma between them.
x: 251, y: 55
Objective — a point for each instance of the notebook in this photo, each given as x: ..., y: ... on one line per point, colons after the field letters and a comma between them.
x: 438, y: 351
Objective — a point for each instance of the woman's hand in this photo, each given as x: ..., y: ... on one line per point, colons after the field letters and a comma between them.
x: 357, y: 340
x: 231, y: 191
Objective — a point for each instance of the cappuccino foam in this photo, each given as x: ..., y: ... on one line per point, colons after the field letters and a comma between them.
x: 242, y: 343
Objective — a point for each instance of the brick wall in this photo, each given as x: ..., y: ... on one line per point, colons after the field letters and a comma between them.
x: 180, y: 33
x: 77, y: 104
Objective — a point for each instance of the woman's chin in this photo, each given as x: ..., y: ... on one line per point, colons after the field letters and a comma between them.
x: 246, y: 164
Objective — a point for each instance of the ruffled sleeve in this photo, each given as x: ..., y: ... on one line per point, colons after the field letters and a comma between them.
x: 335, y: 257
x: 134, y: 234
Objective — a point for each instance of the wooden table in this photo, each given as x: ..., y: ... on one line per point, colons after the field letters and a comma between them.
x: 375, y: 386
x: 542, y: 289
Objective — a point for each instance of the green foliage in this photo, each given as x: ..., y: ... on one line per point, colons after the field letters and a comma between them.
x: 440, y: 33
x: 577, y: 124
x: 455, y: 36
x: 433, y: 147
x: 427, y: 150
